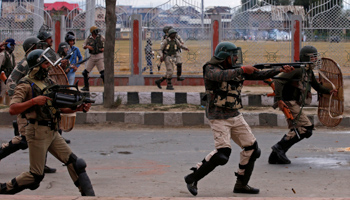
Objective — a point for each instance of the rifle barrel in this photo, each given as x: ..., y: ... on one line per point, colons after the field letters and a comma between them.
x: 272, y: 65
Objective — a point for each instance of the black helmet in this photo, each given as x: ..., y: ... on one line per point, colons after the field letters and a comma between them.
x: 61, y: 47
x: 307, y: 52
x: 69, y: 36
x: 166, y: 29
x: 35, y: 58
x: 29, y: 43
x: 44, y: 35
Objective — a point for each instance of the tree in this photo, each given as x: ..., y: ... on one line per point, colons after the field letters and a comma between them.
x: 247, y: 4
x: 305, y: 3
x: 111, y: 20
x: 282, y: 2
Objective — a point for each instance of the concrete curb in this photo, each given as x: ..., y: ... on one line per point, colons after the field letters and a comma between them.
x: 173, y: 118
x: 194, y: 98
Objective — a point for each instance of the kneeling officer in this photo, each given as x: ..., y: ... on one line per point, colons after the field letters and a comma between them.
x: 41, y: 131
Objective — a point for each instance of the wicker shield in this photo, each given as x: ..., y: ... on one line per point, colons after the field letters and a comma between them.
x: 331, y: 108
x: 57, y: 74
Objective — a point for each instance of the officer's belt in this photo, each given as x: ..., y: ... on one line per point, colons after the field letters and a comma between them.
x: 50, y: 124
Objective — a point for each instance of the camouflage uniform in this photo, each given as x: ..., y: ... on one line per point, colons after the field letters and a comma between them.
x: 295, y: 90
x: 223, y: 99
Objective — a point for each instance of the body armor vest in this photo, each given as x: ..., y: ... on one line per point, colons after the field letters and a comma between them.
x: 225, y: 94
x: 96, y: 43
x: 171, y: 48
x: 19, y: 72
x: 304, y: 85
x: 8, y: 66
x: 46, y: 112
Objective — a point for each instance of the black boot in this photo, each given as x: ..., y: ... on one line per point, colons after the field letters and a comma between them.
x: 240, y: 187
x: 169, y: 85
x: 179, y: 72
x: 191, y: 182
x: 11, y: 148
x: 49, y: 170
x: 197, y: 174
x: 15, y: 127
x: 159, y: 82
x: 280, y: 149
x: 86, y: 80
x: 102, y: 75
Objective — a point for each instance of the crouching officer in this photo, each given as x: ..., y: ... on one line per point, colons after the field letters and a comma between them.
x: 223, y: 78
x: 41, y: 131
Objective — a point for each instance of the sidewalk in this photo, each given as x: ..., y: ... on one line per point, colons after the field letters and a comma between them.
x: 252, y: 96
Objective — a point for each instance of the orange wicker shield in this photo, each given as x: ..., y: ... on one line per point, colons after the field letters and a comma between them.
x: 331, y: 108
x: 57, y: 74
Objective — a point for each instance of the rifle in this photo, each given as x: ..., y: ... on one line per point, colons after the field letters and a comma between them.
x: 64, y: 97
x: 273, y: 65
x: 286, y: 111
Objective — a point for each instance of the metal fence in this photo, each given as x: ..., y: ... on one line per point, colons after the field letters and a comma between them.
x: 194, y: 30
x: 263, y: 30
x: 328, y: 29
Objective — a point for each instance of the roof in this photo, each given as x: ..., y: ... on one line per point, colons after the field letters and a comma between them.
x: 59, y: 5
x: 279, y: 12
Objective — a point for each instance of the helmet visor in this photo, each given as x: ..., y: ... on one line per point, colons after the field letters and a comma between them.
x: 315, y: 58
x: 49, y: 55
x: 237, y: 52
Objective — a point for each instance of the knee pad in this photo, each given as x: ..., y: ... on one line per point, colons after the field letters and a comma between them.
x: 257, y: 151
x: 308, y: 132
x: 84, y: 182
x: 37, y: 181
x: 222, y: 156
x: 85, y: 73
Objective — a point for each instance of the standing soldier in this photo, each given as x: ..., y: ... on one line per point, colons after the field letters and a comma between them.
x: 7, y: 64
x: 170, y: 54
x: 21, y: 70
x: 293, y: 91
x: 223, y: 79
x: 94, y: 43
x: 41, y: 131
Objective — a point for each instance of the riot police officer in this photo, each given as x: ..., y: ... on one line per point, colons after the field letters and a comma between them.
x: 95, y: 44
x: 41, y: 131
x: 170, y: 54
x: 223, y: 79
x: 7, y: 64
x: 293, y: 91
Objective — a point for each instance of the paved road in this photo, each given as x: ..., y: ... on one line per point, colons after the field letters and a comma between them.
x: 128, y: 161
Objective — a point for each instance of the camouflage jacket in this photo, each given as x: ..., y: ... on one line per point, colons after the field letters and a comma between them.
x: 215, y: 77
x: 293, y: 86
x: 18, y: 72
